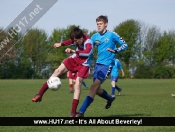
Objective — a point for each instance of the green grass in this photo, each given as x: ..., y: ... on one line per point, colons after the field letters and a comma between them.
x: 140, y: 98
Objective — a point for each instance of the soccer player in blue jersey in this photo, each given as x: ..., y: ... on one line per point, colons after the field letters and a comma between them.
x: 114, y: 77
x: 103, y: 39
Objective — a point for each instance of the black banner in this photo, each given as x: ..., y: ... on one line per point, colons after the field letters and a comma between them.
x: 87, y: 121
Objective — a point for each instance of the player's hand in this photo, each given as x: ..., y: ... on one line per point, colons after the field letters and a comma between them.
x: 123, y: 75
x: 57, y: 45
x: 110, y: 50
x: 68, y: 50
x: 73, y: 51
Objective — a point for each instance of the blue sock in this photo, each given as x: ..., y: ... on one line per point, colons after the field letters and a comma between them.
x: 117, y: 88
x: 105, y: 95
x: 113, y: 91
x: 84, y: 84
x: 88, y: 100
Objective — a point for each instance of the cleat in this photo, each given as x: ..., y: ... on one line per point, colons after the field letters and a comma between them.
x: 119, y: 91
x: 86, y: 88
x: 108, y: 105
x: 71, y: 90
x: 79, y: 115
x: 173, y: 95
x: 73, y: 115
x: 37, y: 98
x: 113, y: 95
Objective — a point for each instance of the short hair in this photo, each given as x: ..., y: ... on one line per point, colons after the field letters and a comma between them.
x: 102, y: 18
x: 76, y: 33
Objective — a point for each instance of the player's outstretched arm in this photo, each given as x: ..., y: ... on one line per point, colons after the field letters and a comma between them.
x: 57, y: 45
x: 64, y: 43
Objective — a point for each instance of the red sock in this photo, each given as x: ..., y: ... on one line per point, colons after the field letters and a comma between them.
x: 74, y: 106
x: 43, y: 89
x: 71, y: 86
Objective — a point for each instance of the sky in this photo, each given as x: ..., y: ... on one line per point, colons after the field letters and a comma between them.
x: 63, y: 13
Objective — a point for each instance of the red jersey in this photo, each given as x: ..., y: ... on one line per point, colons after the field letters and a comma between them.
x: 84, y: 51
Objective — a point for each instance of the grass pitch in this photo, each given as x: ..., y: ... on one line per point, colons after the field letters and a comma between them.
x: 139, y: 98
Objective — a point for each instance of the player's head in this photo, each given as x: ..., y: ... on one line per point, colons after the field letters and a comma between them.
x: 102, y: 22
x: 77, y: 35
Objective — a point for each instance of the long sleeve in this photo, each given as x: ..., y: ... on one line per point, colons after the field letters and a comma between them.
x: 67, y: 42
x: 123, y: 44
x: 87, y: 50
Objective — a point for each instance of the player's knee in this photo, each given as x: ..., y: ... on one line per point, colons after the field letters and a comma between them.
x: 77, y: 88
x: 99, y: 91
x: 56, y: 70
x: 77, y: 85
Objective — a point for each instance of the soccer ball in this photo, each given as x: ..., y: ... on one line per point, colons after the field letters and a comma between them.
x: 54, y: 83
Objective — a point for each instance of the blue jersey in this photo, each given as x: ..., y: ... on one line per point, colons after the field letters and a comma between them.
x: 116, y: 68
x: 108, y: 40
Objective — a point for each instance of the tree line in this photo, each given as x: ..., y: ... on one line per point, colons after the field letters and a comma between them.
x: 151, y: 52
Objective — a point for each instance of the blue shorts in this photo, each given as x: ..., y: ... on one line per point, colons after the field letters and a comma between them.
x: 114, y: 78
x: 101, y: 72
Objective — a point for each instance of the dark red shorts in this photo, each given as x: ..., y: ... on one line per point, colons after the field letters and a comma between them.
x: 73, y: 66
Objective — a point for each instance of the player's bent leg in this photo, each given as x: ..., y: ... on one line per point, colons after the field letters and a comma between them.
x: 94, y: 88
x: 60, y: 70
x: 38, y: 97
x: 89, y: 99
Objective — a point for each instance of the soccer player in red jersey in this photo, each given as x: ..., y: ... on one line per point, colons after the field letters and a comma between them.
x: 79, y: 62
